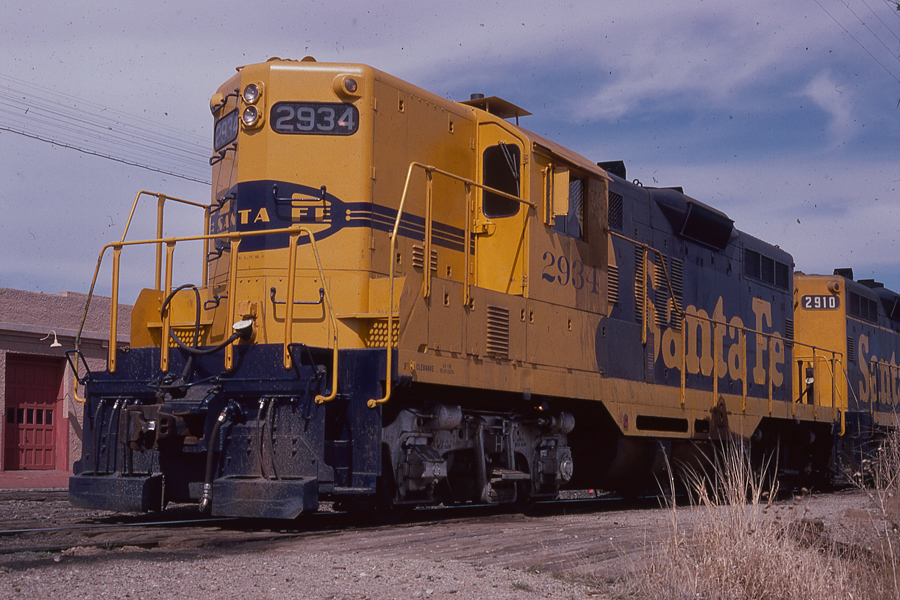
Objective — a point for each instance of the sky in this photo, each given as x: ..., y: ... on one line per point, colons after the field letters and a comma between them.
x: 783, y: 115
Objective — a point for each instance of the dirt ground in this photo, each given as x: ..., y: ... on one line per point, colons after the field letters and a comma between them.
x: 569, y: 550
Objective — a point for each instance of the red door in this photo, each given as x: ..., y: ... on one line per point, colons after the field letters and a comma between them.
x: 32, y: 387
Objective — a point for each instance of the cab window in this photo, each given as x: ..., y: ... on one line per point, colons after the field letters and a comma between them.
x: 501, y: 172
x: 571, y: 220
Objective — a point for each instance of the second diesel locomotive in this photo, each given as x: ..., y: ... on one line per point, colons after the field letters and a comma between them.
x: 408, y: 301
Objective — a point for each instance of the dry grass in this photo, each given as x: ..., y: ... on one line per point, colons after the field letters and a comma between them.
x: 739, y: 547
x: 734, y: 543
x: 875, y: 552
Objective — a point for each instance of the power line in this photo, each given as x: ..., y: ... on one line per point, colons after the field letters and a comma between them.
x: 869, y: 29
x: 93, y: 153
x: 888, y: 71
x: 895, y: 7
x: 886, y: 26
x: 90, y: 128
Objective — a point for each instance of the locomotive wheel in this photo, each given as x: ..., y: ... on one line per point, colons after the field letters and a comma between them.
x: 524, y: 501
x: 385, y: 510
x: 382, y: 508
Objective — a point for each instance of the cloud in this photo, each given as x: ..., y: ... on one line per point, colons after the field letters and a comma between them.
x: 836, y: 101
x: 766, y: 110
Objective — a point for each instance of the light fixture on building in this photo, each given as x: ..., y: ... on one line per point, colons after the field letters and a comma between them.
x: 55, y: 343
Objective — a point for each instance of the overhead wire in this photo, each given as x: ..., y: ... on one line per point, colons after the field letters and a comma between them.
x: 886, y: 26
x: 859, y: 43
x: 894, y: 6
x: 43, y: 114
x: 107, y: 156
x: 869, y: 29
x: 49, y: 101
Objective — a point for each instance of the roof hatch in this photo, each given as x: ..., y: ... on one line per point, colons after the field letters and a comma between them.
x: 496, y: 106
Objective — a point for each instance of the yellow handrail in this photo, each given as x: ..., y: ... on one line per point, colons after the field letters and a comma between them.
x: 161, y: 199
x: 426, y: 287
x: 744, y: 331
x: 160, y: 203
x: 289, y: 316
x: 235, y: 238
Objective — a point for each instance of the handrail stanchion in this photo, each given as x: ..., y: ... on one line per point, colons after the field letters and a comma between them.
x: 373, y: 402
x: 160, y: 204
x: 161, y: 199
x: 846, y: 400
x: 429, y: 195
x: 287, y: 360
x: 204, y: 274
x: 470, y: 210
x: 319, y: 399
x: 291, y: 286
x: 166, y: 321
x: 771, y: 383
x: 235, y: 239
x: 744, y: 371
x: 645, y: 296
x: 817, y: 392
x: 684, y: 326
x: 715, y: 369
x: 834, y: 387
x: 113, y: 309
x: 429, y: 170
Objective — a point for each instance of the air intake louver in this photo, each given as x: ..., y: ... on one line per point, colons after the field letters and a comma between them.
x: 418, y: 257
x: 497, y: 331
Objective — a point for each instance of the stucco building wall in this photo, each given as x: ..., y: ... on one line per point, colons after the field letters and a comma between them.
x: 25, y: 318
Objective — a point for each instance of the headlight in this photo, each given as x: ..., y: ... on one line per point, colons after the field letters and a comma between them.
x: 347, y: 86
x: 250, y: 116
x: 251, y: 93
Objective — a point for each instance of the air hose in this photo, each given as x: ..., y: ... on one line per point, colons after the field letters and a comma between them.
x: 243, y: 333
x: 206, y: 498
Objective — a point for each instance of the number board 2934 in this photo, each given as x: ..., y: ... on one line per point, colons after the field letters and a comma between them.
x: 317, y: 118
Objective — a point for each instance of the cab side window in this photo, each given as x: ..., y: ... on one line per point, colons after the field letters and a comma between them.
x: 571, y: 221
x: 501, y: 172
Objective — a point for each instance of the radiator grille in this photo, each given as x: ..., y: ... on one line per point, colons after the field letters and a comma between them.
x: 767, y: 270
x: 669, y: 306
x: 377, y: 334
x: 186, y: 335
x: 418, y: 257
x: 616, y: 212
x: 612, y: 283
x: 497, y: 331
x: 864, y: 308
x: 639, y: 280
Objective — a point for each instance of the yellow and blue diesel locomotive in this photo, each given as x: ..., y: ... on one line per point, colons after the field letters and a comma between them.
x: 407, y: 300
x: 851, y: 335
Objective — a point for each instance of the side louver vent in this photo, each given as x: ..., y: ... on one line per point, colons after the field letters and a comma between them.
x: 862, y: 307
x: 766, y: 269
x: 668, y: 302
x: 789, y: 333
x: 616, y: 211
x: 639, y: 284
x: 497, y: 331
x: 418, y: 257
x: 612, y: 283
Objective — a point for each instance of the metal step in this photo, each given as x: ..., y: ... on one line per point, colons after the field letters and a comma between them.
x: 501, y: 475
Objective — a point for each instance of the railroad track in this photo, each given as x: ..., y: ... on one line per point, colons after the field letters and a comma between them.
x: 590, y: 537
x: 66, y: 527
